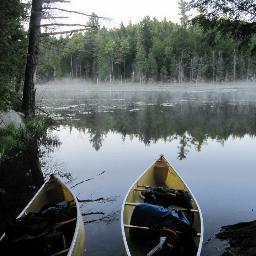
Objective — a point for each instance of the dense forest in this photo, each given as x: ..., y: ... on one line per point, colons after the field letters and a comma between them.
x: 13, y: 45
x: 151, y: 50
x: 222, y: 49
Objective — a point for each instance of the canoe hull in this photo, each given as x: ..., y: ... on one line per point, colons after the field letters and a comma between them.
x: 55, y: 190
x: 173, y: 180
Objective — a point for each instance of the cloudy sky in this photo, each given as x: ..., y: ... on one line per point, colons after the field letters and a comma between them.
x: 124, y: 11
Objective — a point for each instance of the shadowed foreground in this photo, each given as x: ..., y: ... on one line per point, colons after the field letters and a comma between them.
x: 241, y: 237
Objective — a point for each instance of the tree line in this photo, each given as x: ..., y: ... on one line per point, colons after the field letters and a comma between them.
x: 218, y: 45
x: 151, y: 50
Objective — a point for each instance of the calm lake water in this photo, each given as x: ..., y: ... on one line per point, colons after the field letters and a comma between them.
x: 110, y: 134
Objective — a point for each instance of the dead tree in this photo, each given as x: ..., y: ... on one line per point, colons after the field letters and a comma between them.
x: 28, y: 101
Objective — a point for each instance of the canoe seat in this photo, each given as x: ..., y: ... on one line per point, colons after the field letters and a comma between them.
x: 180, y: 209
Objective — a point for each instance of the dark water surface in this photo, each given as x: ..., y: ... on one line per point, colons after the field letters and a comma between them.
x: 110, y: 134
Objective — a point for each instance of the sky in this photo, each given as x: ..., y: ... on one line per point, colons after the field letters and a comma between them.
x: 125, y: 11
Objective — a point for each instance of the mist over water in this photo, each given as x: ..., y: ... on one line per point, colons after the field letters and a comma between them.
x: 111, y: 133
x: 243, y: 90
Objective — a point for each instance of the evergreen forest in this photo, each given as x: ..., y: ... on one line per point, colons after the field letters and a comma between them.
x: 150, y: 51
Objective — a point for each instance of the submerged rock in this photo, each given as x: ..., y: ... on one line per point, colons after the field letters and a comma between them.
x: 11, y: 117
x: 241, y: 237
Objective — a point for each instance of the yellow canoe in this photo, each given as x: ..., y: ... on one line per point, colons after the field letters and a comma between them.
x: 53, y: 191
x: 159, y: 174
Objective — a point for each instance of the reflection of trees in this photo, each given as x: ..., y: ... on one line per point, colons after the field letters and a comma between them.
x: 20, y: 178
x: 100, y: 216
x: 190, y: 122
x: 105, y: 218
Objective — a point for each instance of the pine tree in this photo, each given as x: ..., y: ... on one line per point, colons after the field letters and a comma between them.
x: 183, y: 12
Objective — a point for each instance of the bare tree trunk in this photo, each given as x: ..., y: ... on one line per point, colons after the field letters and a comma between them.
x: 124, y: 72
x: 71, y: 66
x: 248, y: 68
x: 213, y: 66
x: 199, y: 71
x: 118, y: 68
x: 76, y: 70
x: 28, y: 101
x: 112, y: 70
x: 180, y: 70
x: 191, y: 69
x: 234, y: 66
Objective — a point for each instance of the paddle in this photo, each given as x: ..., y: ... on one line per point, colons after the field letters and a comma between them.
x: 158, y: 247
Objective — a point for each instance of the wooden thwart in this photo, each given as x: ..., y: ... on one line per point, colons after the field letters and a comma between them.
x: 148, y: 228
x: 138, y: 227
x: 63, y: 252
x: 180, y: 209
x: 143, y: 186
x: 60, y: 224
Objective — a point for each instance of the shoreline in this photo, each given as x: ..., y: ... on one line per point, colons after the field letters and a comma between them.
x: 241, y: 238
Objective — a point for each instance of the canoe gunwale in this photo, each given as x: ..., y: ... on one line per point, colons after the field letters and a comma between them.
x: 136, y: 182
x: 78, y: 220
x: 33, y: 199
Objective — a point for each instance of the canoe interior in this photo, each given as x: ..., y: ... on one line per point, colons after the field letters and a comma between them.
x: 53, y: 191
x: 134, y: 196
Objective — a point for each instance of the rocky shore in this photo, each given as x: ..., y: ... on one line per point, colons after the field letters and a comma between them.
x: 241, y: 238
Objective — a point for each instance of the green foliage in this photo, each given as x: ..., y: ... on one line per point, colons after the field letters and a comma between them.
x: 183, y: 7
x: 12, y: 51
x: 6, y: 89
x: 234, y: 17
x: 230, y: 9
x: 151, y: 50
x: 16, y: 140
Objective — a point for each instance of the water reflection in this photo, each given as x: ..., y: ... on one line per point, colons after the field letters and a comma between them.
x: 20, y: 178
x: 191, y: 122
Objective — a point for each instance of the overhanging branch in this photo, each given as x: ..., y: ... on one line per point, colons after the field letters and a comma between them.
x: 55, y: 1
x: 64, y: 32
x: 54, y: 17
x: 76, y: 12
x: 67, y: 24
